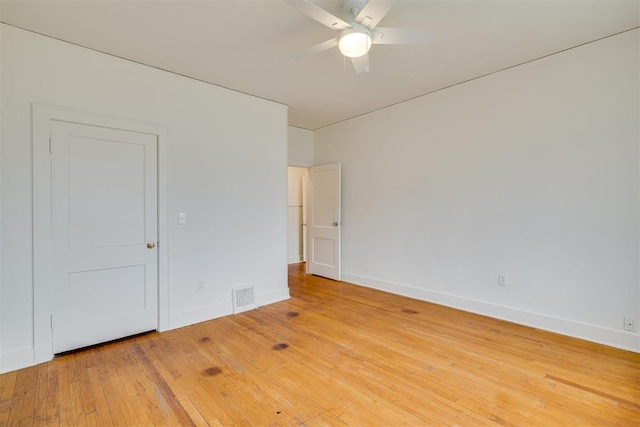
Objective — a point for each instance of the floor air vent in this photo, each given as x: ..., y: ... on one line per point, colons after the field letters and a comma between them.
x: 243, y: 299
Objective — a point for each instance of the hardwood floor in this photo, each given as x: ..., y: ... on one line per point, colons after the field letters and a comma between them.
x: 334, y: 354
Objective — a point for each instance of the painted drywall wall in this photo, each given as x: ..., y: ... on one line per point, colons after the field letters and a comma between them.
x: 300, y: 147
x: 531, y: 173
x: 294, y: 214
x: 227, y: 171
x: 1, y: 352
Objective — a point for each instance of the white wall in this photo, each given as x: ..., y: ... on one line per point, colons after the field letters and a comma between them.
x: 227, y: 162
x: 300, y: 147
x: 1, y: 352
x: 294, y: 215
x: 531, y: 172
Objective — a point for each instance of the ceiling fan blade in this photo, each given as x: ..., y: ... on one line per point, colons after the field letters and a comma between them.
x: 320, y: 47
x: 319, y: 14
x: 373, y: 12
x: 361, y: 63
x: 382, y: 35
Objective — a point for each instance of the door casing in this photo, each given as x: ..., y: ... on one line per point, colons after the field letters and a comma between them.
x: 43, y: 115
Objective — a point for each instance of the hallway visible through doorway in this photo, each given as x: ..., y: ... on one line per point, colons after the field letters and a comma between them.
x: 296, y: 227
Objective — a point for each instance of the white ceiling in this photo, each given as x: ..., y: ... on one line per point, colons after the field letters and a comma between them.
x: 246, y: 45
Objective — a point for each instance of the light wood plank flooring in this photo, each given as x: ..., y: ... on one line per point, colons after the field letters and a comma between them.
x: 334, y: 354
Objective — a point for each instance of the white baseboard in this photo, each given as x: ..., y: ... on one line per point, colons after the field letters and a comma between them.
x: 272, y: 297
x: 17, y: 360
x: 295, y: 259
x: 190, y: 317
x: 611, y: 337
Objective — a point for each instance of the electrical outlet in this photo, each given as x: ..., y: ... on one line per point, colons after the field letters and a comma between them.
x: 502, y: 280
x: 629, y: 324
x: 200, y: 285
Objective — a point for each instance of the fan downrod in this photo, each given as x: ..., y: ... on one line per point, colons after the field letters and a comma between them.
x: 353, y: 7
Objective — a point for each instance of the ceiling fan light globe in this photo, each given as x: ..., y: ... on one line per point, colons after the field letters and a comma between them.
x: 354, y: 44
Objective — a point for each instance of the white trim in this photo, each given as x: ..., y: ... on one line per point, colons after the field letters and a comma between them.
x: 295, y: 259
x: 17, y: 360
x: 272, y: 297
x: 620, y: 339
x: 190, y: 317
x: 42, y: 287
x: 300, y: 163
x: 295, y: 204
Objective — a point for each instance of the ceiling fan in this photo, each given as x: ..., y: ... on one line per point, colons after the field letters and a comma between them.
x: 356, y: 36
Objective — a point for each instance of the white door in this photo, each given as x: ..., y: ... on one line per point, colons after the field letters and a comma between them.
x: 104, y: 232
x: 305, y: 186
x: 324, y: 221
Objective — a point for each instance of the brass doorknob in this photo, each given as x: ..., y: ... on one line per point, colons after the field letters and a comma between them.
x: 335, y: 224
x: 151, y: 245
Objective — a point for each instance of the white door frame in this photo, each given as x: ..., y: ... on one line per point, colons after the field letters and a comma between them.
x: 43, y: 115
x: 303, y: 164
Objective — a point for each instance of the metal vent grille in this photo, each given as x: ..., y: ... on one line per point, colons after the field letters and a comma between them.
x: 243, y: 299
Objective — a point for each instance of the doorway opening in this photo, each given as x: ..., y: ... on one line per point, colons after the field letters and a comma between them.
x: 314, y: 219
x: 296, y: 215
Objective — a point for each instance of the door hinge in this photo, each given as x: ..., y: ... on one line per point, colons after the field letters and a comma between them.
x: 50, y: 143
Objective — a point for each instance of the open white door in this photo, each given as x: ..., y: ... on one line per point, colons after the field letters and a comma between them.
x: 324, y: 221
x: 305, y: 203
x: 105, y: 230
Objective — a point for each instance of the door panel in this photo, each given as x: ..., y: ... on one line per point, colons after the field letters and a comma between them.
x: 96, y: 293
x: 324, y: 221
x: 324, y: 252
x: 95, y: 190
x: 104, y: 212
x: 324, y: 188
